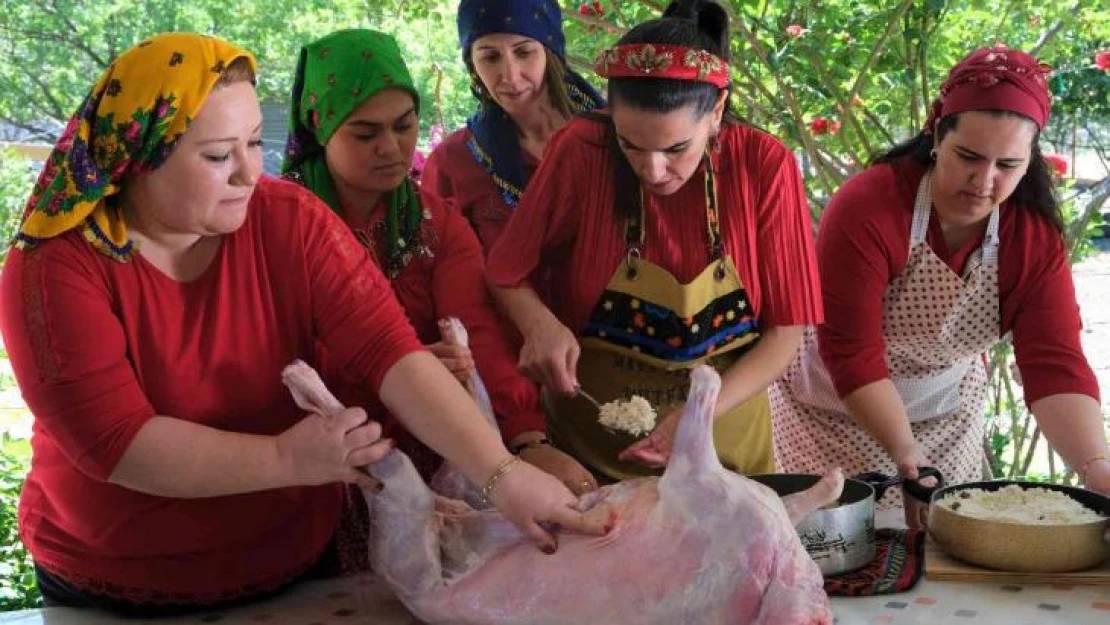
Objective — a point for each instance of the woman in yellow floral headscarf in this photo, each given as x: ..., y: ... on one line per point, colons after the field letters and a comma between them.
x: 159, y: 287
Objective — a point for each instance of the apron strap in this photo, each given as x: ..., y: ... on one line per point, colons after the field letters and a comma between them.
x: 922, y: 210
x: 634, y: 226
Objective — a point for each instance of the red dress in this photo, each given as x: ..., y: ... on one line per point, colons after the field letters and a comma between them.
x: 99, y: 347
x: 566, y: 224
x: 449, y: 283
x: 863, y: 243
x: 451, y: 172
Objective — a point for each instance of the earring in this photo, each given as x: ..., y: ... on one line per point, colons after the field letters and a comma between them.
x: 933, y: 154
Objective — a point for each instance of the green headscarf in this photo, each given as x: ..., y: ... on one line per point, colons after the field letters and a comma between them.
x: 335, y: 75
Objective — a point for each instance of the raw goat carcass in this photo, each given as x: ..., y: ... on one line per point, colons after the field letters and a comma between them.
x: 698, y: 545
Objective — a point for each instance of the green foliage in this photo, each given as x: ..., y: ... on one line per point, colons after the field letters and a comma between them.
x: 16, y: 179
x: 17, y: 574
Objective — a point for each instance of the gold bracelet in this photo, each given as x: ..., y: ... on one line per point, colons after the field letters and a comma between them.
x: 1082, y: 472
x: 499, y: 473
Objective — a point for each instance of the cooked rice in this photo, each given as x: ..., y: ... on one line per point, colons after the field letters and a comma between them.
x: 1016, y: 504
x: 635, y: 416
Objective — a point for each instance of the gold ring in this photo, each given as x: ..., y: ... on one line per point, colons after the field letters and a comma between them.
x: 586, y: 484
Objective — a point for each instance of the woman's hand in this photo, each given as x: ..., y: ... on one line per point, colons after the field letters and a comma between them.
x: 457, y: 359
x: 908, y: 460
x: 1097, y: 477
x: 655, y: 450
x: 320, y: 450
x: 565, y: 468
x: 550, y: 357
x: 527, y: 497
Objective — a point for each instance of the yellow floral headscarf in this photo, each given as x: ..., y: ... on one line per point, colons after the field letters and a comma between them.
x: 127, y: 125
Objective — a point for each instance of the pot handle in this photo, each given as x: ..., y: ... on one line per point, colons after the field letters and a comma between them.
x: 879, y: 481
x: 920, y: 492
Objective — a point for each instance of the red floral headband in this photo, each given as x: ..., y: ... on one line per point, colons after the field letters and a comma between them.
x: 656, y: 60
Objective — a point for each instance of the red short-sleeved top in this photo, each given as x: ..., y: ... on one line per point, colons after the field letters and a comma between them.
x: 450, y: 283
x: 863, y: 244
x: 99, y: 347
x: 566, y: 224
x: 451, y: 172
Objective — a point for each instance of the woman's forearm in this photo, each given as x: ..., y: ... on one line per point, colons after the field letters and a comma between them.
x: 1073, y: 425
x: 432, y: 405
x: 171, y: 457
x: 755, y: 370
x: 878, y: 408
x: 523, y: 307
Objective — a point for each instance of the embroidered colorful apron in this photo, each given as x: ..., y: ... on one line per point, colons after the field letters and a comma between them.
x: 644, y: 335
x: 936, y: 326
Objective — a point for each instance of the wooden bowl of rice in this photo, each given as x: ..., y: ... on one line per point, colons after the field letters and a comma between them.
x: 1019, y: 526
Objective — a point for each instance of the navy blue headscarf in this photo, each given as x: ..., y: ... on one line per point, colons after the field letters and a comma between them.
x: 493, y: 141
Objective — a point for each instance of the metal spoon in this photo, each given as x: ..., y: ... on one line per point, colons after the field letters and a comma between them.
x: 588, y: 397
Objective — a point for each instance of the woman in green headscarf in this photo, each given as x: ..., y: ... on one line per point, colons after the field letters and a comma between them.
x: 353, y: 130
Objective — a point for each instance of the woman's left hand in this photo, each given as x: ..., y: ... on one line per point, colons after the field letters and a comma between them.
x: 655, y: 450
x: 1098, y: 477
x: 569, y: 471
x: 457, y: 359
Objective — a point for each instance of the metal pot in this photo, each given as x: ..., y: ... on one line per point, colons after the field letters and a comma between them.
x: 842, y: 538
x: 1020, y: 547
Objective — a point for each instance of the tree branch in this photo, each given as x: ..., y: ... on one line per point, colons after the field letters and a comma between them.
x: 880, y: 43
x: 55, y: 107
x: 1051, y: 33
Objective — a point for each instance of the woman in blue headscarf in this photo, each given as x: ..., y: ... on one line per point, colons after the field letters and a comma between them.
x: 516, y: 55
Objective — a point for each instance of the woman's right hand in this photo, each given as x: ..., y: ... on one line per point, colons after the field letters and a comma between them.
x: 908, y: 460
x: 550, y: 357
x: 527, y: 497
x: 321, y: 450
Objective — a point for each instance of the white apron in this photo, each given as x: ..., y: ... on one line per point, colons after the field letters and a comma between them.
x: 936, y: 326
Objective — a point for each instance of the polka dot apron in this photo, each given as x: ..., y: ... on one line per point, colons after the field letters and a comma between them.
x: 936, y: 326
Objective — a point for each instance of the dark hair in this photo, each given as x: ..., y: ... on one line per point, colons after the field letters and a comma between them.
x: 698, y: 24
x: 1034, y: 192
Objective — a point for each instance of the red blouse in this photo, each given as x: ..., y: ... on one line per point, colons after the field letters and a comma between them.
x: 863, y: 244
x: 450, y: 283
x: 451, y: 172
x: 566, y: 224
x: 99, y: 347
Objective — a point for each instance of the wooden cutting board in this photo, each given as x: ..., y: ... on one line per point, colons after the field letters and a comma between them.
x: 940, y: 566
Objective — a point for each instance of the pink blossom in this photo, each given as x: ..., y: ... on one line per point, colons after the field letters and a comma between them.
x: 435, y: 136
x: 795, y: 30
x: 417, y: 168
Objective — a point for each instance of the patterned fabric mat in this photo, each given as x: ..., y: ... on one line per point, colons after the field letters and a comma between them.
x: 898, y: 565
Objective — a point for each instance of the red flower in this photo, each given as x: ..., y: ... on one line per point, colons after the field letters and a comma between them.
x: 599, y: 9
x: 1058, y: 163
x: 819, y: 125
x: 1102, y: 60
x: 834, y: 127
x: 795, y: 30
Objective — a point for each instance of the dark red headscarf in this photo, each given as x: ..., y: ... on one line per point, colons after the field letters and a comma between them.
x: 995, y: 78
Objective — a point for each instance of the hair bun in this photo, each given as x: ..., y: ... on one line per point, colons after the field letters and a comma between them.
x: 710, y: 17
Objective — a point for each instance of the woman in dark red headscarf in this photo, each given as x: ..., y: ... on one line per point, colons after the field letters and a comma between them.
x: 947, y: 243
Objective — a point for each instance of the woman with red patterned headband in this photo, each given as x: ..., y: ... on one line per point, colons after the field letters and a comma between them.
x: 672, y: 234
x: 947, y: 243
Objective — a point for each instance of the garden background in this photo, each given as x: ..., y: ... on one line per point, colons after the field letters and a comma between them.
x: 837, y: 80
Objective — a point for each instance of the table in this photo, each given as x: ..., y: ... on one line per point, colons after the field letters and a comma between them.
x: 365, y: 599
